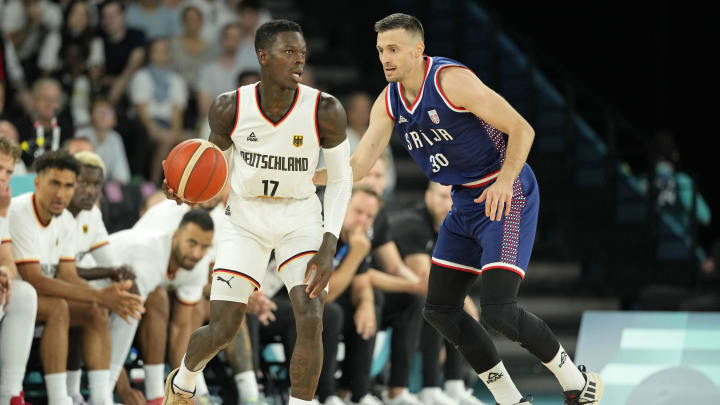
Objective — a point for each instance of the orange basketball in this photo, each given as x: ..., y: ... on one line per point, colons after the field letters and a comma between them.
x: 196, y: 170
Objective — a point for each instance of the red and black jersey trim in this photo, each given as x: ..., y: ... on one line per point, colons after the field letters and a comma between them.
x: 239, y: 274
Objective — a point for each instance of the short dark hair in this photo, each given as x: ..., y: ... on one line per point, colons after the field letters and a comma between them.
x: 109, y: 2
x: 59, y: 159
x: 361, y: 188
x: 198, y: 217
x: 400, y: 20
x: 267, y: 32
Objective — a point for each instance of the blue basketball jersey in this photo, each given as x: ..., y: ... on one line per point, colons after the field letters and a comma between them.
x: 449, y: 143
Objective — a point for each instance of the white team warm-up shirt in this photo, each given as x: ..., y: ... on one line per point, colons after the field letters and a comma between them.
x: 35, y: 242
x: 166, y: 216
x: 275, y: 159
x: 92, y: 240
x: 148, y: 253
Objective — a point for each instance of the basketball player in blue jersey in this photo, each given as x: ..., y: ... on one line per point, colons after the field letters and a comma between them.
x: 461, y: 133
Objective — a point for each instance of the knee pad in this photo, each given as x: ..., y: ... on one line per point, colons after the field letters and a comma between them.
x: 504, y: 318
x: 448, y: 320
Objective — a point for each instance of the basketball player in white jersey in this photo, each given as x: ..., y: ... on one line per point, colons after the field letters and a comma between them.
x: 18, y: 299
x: 273, y: 130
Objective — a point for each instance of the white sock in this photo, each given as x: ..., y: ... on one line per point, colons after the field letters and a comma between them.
x: 455, y: 388
x: 569, y: 377
x: 501, y: 385
x: 16, y: 335
x: 201, y: 387
x: 185, y: 378
x: 98, y: 381
x: 246, y: 384
x: 122, y: 334
x: 56, y: 386
x: 298, y: 401
x: 73, y: 382
x: 154, y: 381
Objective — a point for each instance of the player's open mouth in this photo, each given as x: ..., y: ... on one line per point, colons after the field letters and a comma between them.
x: 389, y: 69
x: 297, y: 76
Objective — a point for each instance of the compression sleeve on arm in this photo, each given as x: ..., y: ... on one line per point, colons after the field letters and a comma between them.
x: 339, y: 186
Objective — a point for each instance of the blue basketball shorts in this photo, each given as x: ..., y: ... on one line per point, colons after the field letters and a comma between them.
x: 468, y: 241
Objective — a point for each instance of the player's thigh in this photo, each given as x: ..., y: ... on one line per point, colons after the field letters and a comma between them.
x: 507, y: 244
x: 299, y: 245
x: 240, y: 266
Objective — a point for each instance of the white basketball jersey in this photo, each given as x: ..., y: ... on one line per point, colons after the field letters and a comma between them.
x: 275, y: 159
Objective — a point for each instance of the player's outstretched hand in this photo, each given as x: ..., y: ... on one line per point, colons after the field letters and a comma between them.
x: 117, y: 298
x: 497, y: 198
x: 262, y: 306
x: 322, y: 265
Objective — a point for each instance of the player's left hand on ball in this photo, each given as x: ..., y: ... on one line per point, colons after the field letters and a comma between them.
x: 497, y: 198
x: 321, y: 264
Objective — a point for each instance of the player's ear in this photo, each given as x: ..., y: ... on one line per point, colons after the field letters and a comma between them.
x: 262, y: 57
x: 420, y: 49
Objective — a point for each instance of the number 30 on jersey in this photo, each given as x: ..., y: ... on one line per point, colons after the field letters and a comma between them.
x: 437, y: 160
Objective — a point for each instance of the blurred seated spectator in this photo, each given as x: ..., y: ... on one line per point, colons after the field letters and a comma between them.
x: 12, y: 81
x: 252, y: 15
x: 218, y: 76
x: 75, y: 145
x: 123, y: 49
x: 160, y: 96
x: 107, y: 142
x: 77, y: 28
x: 248, y: 77
x: 27, y: 24
x: 358, y: 113
x: 216, y: 15
x: 49, y: 124
x: 152, y: 18
x: 189, y: 50
x: 8, y: 131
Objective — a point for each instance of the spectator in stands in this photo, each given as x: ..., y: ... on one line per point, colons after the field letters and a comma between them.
x: 107, y: 142
x: 216, y: 15
x: 123, y: 49
x: 27, y: 24
x: 252, y: 15
x: 358, y: 112
x: 77, y: 29
x: 401, y: 289
x: 76, y: 145
x: 219, y: 76
x: 8, y: 131
x: 190, y: 51
x: 160, y: 96
x: 152, y: 18
x: 248, y: 77
x: 44, y: 247
x: 12, y: 80
x: 164, y: 262
x: 50, y: 123
x: 415, y: 230
x: 351, y: 288
x: 18, y: 299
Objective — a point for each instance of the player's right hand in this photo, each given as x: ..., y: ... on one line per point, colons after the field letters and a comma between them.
x: 117, y: 298
x: 170, y: 193
x: 123, y: 273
